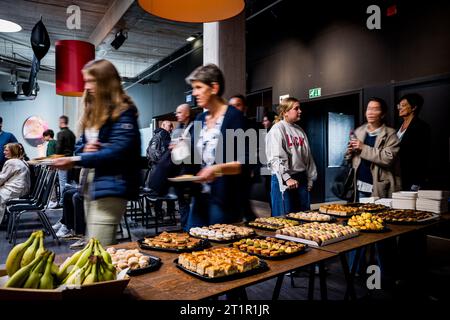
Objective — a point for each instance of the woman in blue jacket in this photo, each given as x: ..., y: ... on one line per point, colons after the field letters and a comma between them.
x: 219, y: 198
x: 109, y: 147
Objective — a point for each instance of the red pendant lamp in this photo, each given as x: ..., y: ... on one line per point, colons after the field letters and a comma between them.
x: 193, y: 10
x: 71, y: 56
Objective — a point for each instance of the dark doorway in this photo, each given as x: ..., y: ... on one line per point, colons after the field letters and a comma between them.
x: 435, y: 112
x: 327, y: 123
x: 258, y: 103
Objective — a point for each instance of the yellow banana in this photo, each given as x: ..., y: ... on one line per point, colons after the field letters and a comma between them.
x: 36, y: 273
x: 47, y: 281
x: 30, y: 253
x: 92, y: 276
x: 76, y: 276
x: 15, y: 255
x: 107, y: 274
x: 63, y: 269
x: 105, y: 255
x: 41, y: 248
x: 86, y: 254
x: 19, y: 278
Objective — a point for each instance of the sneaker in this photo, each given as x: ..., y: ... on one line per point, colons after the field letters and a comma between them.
x: 57, y: 225
x: 78, y: 244
x: 53, y: 205
x: 64, y: 232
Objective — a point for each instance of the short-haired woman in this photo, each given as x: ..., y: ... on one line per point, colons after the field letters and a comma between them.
x: 110, y: 147
x: 290, y: 160
x: 374, y: 153
x: 14, y: 177
x: 220, y: 199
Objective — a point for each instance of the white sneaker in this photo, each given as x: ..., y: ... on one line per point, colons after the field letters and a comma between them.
x: 52, y: 204
x: 64, y: 232
x: 57, y: 225
x: 78, y: 244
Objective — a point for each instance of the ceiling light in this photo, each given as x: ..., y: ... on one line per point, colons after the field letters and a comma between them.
x: 190, y: 39
x: 193, y: 10
x: 9, y: 26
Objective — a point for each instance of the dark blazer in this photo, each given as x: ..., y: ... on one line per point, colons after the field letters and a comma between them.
x: 65, y: 142
x: 227, y: 191
x: 414, y: 153
x: 117, y: 163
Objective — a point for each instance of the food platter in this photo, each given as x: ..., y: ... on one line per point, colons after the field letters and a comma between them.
x: 184, y: 247
x: 269, y: 257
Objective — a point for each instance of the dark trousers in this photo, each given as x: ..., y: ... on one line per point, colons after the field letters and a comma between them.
x: 73, y: 211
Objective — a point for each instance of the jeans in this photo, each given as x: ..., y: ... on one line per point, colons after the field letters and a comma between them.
x: 73, y: 211
x: 62, y: 177
x: 205, y: 212
x: 291, y: 200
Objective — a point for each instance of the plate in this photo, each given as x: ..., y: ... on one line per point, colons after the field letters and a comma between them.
x: 204, y: 244
x: 153, y: 265
x: 282, y: 257
x: 262, y: 267
x: 423, y: 221
x: 186, y: 178
x: 262, y: 227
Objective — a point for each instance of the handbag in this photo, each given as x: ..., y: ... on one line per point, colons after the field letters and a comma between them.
x: 182, y: 148
x: 344, y: 184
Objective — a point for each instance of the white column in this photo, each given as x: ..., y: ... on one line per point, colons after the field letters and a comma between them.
x: 224, y: 45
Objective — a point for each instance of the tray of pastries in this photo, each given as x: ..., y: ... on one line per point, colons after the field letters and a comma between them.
x: 341, y: 210
x: 311, y: 216
x: 272, y: 223
x: 136, y: 262
x: 270, y: 248
x: 317, y: 234
x: 222, y: 232
x: 173, y: 242
x: 371, y: 207
x: 406, y: 216
x: 220, y: 264
x: 367, y: 222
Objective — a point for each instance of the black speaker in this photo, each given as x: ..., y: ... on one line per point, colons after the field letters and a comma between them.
x: 120, y: 38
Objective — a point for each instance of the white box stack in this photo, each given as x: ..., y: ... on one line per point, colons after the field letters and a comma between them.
x: 433, y: 200
x: 404, y: 200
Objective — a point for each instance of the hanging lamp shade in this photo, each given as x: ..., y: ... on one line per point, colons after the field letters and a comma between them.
x: 71, y: 56
x: 193, y: 10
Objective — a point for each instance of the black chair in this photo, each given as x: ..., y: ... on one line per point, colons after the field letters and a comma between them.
x: 158, y: 216
x: 17, y: 210
x: 36, y: 189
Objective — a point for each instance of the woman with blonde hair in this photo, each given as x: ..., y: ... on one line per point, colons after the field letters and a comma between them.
x: 109, y: 147
x: 290, y: 160
x: 14, y: 177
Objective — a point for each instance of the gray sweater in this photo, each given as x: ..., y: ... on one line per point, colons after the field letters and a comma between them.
x: 288, y: 152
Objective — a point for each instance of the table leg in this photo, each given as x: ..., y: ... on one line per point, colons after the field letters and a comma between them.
x: 311, y: 282
x: 276, y: 290
x: 323, y: 281
x: 350, y: 292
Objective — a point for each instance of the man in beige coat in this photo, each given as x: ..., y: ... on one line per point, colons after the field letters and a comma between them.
x: 375, y: 148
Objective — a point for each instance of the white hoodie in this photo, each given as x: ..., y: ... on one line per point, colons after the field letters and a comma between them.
x: 288, y: 152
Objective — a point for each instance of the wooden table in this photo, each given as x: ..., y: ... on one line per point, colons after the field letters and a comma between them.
x: 170, y: 283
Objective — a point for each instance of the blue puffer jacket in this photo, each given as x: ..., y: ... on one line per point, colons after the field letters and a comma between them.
x: 117, y: 170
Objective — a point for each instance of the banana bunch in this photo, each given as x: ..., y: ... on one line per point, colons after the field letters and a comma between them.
x: 24, y: 253
x: 38, y: 274
x: 89, y: 265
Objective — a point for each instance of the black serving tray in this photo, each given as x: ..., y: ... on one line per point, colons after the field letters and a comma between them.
x: 154, y: 264
x: 261, y: 268
x: 204, y: 244
x: 282, y: 257
x: 418, y: 222
x: 225, y: 241
x: 267, y: 228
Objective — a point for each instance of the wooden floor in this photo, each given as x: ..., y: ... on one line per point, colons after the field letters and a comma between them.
x: 262, y: 291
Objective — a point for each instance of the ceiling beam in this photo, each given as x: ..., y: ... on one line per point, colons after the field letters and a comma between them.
x: 109, y: 20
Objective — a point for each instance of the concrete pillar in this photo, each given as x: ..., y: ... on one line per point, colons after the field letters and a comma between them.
x: 224, y: 45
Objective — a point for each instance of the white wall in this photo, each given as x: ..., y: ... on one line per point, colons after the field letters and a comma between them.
x: 47, y: 105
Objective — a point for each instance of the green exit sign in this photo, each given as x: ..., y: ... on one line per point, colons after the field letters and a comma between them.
x: 315, y: 92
